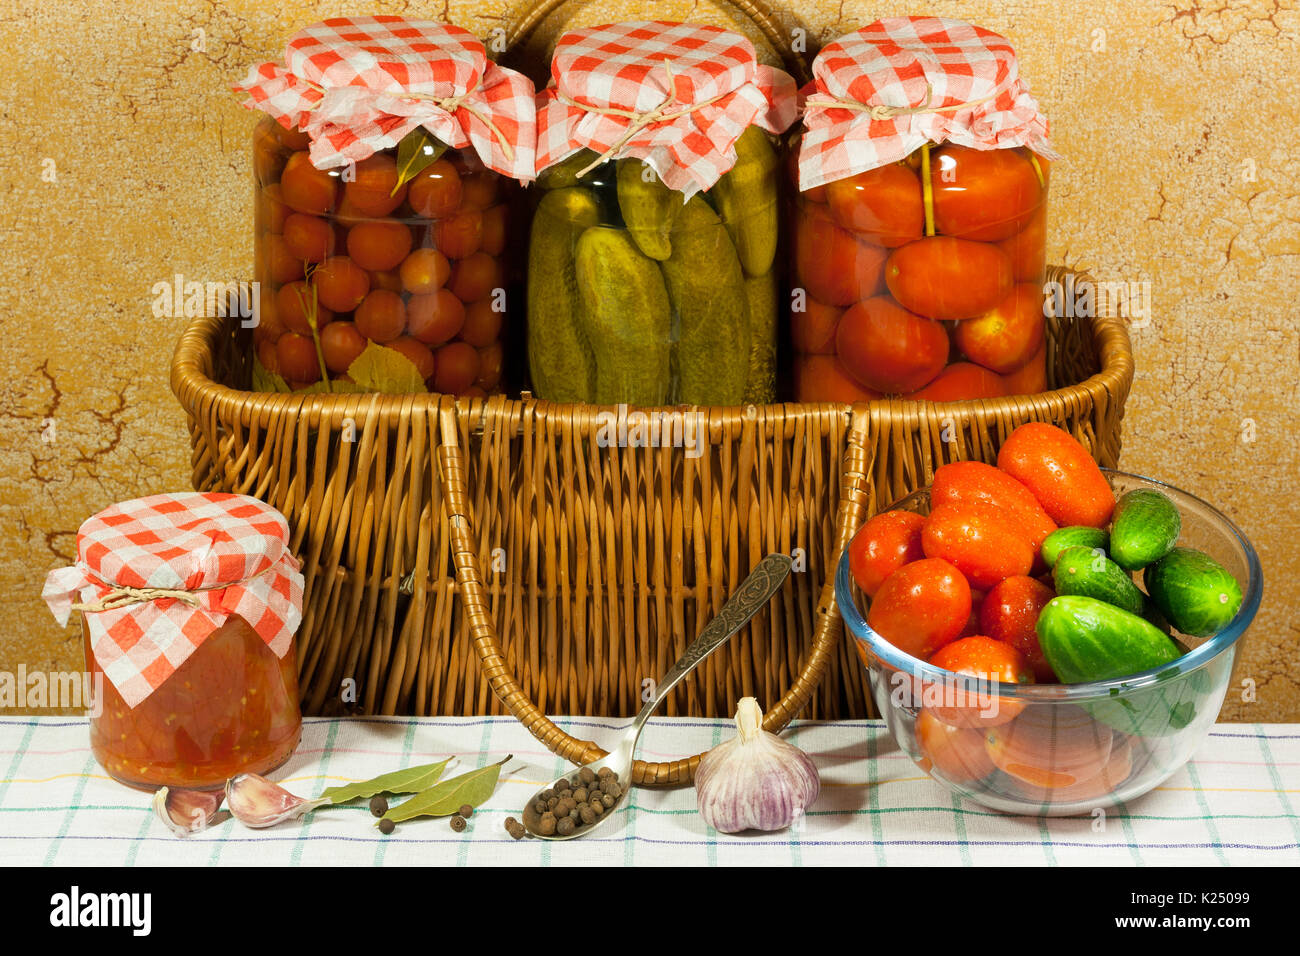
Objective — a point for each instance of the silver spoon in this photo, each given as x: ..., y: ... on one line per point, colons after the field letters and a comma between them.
x: 750, y: 598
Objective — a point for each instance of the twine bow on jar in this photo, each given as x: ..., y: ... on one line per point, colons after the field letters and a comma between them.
x: 880, y: 111
x: 120, y: 596
x: 642, y: 120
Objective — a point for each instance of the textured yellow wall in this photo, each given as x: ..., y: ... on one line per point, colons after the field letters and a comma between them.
x: 126, y: 161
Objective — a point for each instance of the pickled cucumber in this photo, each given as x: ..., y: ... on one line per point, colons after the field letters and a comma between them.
x: 760, y: 385
x: 559, y: 354
x: 746, y: 198
x: 565, y: 172
x: 628, y: 318
x: 707, y: 287
x: 649, y: 208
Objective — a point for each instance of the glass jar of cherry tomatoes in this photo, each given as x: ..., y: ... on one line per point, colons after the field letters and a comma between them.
x: 919, y: 270
x: 372, y: 254
x: 189, y: 606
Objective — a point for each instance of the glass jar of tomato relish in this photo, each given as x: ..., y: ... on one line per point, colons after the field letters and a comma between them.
x: 189, y: 605
x: 920, y: 223
x: 383, y: 186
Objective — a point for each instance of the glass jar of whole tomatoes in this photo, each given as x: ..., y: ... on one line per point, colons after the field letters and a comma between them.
x: 919, y: 269
x: 383, y: 210
x: 652, y: 272
x: 189, y: 605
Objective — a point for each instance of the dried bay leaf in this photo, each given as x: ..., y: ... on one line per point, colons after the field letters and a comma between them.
x: 409, y: 780
x: 418, y: 150
x: 445, y: 798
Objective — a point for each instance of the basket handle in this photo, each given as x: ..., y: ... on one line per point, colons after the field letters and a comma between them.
x: 757, y: 11
x: 854, y: 496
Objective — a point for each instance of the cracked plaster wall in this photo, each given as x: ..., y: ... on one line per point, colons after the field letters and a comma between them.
x: 127, y: 161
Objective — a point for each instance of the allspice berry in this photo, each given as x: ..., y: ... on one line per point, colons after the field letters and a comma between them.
x: 466, y: 811
x: 386, y: 827
x: 458, y: 823
x: 378, y: 805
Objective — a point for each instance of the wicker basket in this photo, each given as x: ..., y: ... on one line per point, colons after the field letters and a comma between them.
x: 429, y: 528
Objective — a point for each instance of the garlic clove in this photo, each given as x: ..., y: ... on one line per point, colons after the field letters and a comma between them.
x: 187, y: 811
x: 755, y: 780
x: 257, y: 802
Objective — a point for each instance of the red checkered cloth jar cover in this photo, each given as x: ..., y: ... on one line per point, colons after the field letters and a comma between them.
x: 357, y: 85
x: 676, y: 95
x: 922, y: 66
x: 218, y: 554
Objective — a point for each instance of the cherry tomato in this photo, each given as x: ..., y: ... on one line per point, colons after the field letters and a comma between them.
x: 458, y: 368
x: 271, y: 209
x: 978, y: 541
x: 435, y: 318
x: 309, y: 238
x: 341, y: 343
x: 281, y: 263
x: 945, y: 278
x: 490, y: 360
x: 979, y: 485
x: 292, y: 138
x: 1118, y: 766
x: 921, y: 607
x: 476, y: 277
x: 297, y: 357
x: 833, y: 266
x: 482, y: 324
x: 1006, y: 337
x: 983, y: 194
x: 812, y: 331
x: 1009, y: 614
x: 993, y: 661
x: 956, y: 754
x: 1027, y: 249
x: 479, y: 190
x: 1060, y: 473
x: 460, y: 235
x: 889, y: 349
x: 961, y: 382
x: 882, y: 205
x: 379, y: 245
x: 821, y: 378
x: 435, y: 192
x: 421, y: 355
x: 374, y: 190
x: 1032, y: 378
x: 306, y: 188
x: 296, y: 307
x: 883, y: 545
x: 381, y: 317
x: 340, y: 283
x: 1050, y: 746
x: 425, y: 271
x: 267, y: 355
x: 496, y: 226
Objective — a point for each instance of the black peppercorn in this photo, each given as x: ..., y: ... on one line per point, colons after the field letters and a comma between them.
x: 378, y: 805
x: 387, y: 826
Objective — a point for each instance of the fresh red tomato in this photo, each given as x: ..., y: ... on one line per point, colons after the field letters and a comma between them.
x: 1027, y: 249
x: 1031, y: 378
x: 978, y: 541
x: 1051, y: 746
x: 1006, y: 337
x: 882, y: 205
x: 812, y: 331
x: 889, y: 349
x: 834, y: 267
x: 945, y: 278
x: 983, y: 194
x: 994, y: 661
x: 979, y: 485
x: 961, y: 382
x: 957, y: 754
x: 1009, y: 614
x: 821, y: 378
x: 1051, y: 463
x: 921, y: 607
x: 883, y: 545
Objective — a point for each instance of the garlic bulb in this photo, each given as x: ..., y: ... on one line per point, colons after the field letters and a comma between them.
x: 756, y: 780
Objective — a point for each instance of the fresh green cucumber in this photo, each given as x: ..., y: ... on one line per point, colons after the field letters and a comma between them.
x: 1146, y: 526
x: 1152, y: 614
x: 1089, y: 572
x: 1085, y: 639
x: 1195, y: 592
x: 1073, y: 536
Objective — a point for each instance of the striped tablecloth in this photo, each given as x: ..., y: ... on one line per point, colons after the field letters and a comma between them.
x: 1235, y: 803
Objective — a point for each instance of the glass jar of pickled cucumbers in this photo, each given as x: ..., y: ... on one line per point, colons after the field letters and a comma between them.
x: 377, y: 256
x: 638, y: 295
